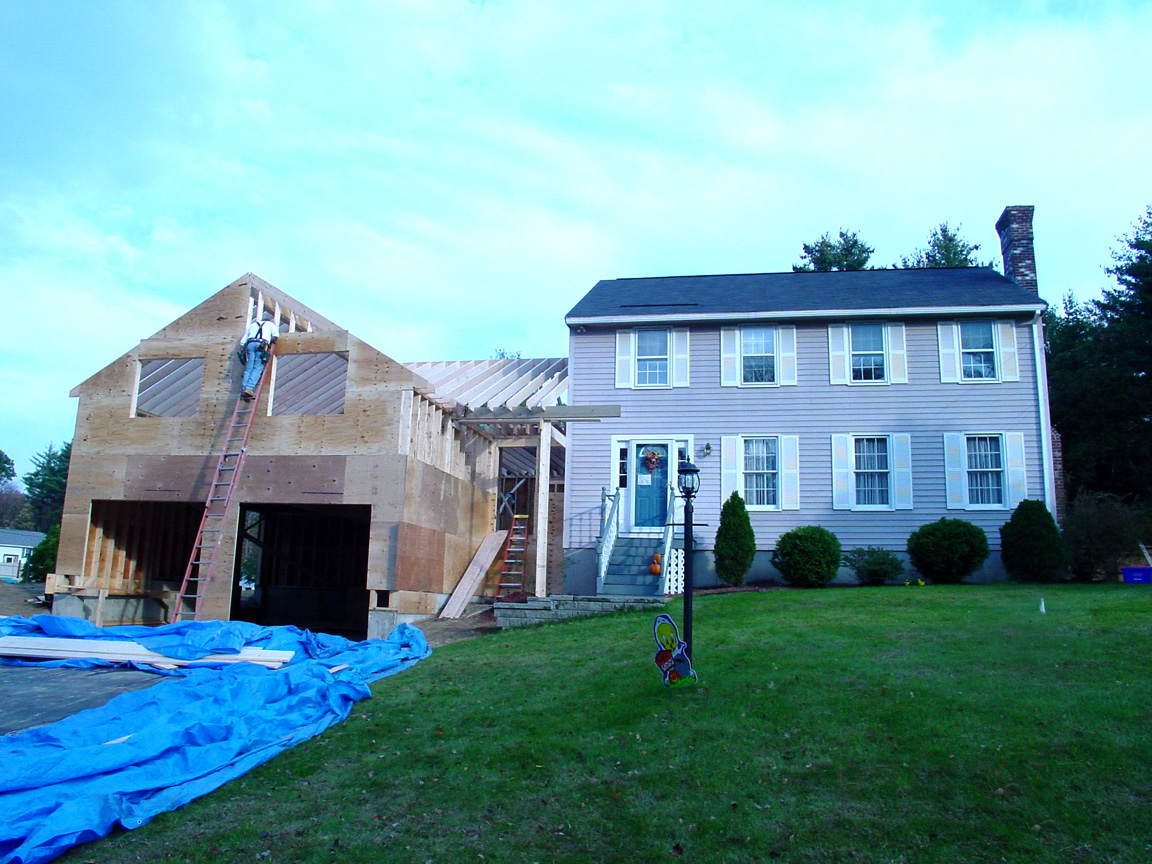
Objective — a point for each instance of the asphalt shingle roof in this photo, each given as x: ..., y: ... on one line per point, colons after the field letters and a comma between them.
x: 16, y: 537
x: 802, y: 293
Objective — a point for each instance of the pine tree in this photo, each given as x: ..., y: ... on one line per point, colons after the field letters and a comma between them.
x: 848, y: 252
x: 45, y: 485
x: 735, y: 541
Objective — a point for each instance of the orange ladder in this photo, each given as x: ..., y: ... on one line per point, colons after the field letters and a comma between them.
x: 515, y: 553
x: 218, y: 506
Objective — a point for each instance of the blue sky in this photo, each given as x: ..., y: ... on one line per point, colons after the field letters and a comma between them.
x: 446, y: 178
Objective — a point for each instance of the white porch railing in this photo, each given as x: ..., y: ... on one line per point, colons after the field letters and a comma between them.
x: 669, y: 535
x: 609, y: 529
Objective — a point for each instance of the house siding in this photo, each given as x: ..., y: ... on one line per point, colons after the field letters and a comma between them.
x: 814, y: 410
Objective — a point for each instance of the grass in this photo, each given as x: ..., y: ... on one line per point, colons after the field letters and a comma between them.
x: 923, y: 724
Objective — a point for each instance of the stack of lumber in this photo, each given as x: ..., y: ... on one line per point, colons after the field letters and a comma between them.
x: 46, y: 648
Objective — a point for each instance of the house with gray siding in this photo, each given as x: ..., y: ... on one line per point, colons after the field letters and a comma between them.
x: 868, y: 402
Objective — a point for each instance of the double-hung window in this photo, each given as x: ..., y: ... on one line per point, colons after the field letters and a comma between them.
x: 760, y: 476
x: 872, y: 472
x: 871, y: 468
x: 867, y: 352
x: 985, y: 470
x: 978, y: 351
x: 651, y: 358
x: 763, y: 469
x: 758, y: 356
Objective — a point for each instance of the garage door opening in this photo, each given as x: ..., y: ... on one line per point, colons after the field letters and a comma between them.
x: 305, y: 565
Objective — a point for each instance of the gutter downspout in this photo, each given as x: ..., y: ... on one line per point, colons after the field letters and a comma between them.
x: 1041, y: 365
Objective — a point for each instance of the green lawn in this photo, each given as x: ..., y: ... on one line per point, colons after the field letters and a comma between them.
x: 910, y: 724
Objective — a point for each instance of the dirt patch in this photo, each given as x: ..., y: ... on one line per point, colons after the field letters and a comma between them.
x: 14, y: 597
x: 477, y: 620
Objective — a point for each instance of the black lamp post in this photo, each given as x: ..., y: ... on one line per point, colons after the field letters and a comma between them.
x: 688, y: 480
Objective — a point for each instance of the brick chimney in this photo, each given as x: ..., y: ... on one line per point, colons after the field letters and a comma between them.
x: 1015, y: 229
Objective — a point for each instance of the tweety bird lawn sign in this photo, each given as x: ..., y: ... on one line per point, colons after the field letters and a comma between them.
x: 671, y: 653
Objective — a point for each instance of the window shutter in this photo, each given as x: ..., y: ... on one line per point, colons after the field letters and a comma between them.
x: 729, y: 358
x: 625, y: 357
x: 955, y: 470
x: 1009, y: 357
x: 897, y: 355
x: 838, y: 353
x: 949, y: 352
x: 1017, y: 474
x: 789, y: 472
x: 729, y: 466
x: 786, y: 354
x: 901, y: 472
x: 680, y: 358
x: 842, y: 464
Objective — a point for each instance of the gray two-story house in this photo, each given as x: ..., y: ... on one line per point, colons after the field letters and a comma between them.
x: 868, y: 402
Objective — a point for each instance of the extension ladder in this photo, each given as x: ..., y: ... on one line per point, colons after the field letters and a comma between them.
x: 515, y: 553
x: 217, y: 507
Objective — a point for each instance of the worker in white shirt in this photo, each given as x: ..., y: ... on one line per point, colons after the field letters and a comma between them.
x: 258, y: 338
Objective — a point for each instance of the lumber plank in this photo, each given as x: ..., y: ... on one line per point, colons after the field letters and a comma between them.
x: 474, y: 575
x: 126, y: 652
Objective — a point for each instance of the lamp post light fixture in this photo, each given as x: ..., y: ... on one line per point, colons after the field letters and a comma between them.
x: 688, y: 480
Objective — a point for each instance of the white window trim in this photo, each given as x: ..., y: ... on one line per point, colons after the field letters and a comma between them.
x: 678, y: 357
x: 899, y: 472
x: 1015, y: 471
x: 787, y: 470
x: 732, y: 361
x: 1006, y: 354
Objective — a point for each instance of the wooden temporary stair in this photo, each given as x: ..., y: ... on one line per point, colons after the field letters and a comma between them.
x: 218, y: 506
x: 515, y: 553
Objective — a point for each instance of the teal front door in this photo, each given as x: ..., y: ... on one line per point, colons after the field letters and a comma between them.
x: 650, y: 498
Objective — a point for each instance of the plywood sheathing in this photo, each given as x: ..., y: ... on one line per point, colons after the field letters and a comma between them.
x: 394, y: 447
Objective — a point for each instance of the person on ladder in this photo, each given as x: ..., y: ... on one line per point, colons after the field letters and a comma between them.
x: 259, y: 336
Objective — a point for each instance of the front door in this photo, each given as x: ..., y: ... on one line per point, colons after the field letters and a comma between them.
x: 650, y: 492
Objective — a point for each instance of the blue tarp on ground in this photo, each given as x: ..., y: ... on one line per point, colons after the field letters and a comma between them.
x: 154, y: 750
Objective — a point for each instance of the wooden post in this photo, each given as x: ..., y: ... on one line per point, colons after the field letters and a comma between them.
x: 543, y: 474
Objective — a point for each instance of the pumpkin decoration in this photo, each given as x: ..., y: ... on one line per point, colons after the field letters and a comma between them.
x: 654, y: 567
x: 657, y: 558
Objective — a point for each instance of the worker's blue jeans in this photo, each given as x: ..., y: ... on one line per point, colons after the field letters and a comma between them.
x: 254, y: 360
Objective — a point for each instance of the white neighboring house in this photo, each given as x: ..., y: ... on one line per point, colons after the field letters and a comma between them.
x: 15, y: 547
x: 869, y: 402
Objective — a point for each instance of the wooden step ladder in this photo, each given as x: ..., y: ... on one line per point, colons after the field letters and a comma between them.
x: 219, y: 504
x: 515, y: 553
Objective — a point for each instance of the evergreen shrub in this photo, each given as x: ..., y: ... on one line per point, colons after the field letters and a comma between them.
x: 808, y: 556
x: 735, y: 541
x: 1099, y: 531
x: 1030, y: 544
x: 949, y: 550
x: 873, y: 565
x: 42, y: 560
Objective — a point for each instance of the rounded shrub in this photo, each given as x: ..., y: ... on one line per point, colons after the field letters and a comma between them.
x: 1030, y: 544
x: 808, y: 556
x: 735, y: 541
x: 948, y: 550
x: 873, y: 565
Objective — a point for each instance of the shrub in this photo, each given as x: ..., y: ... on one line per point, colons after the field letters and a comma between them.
x: 873, y: 565
x: 42, y: 559
x: 1030, y: 544
x: 807, y: 556
x: 735, y: 541
x: 1099, y: 531
x: 948, y: 550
